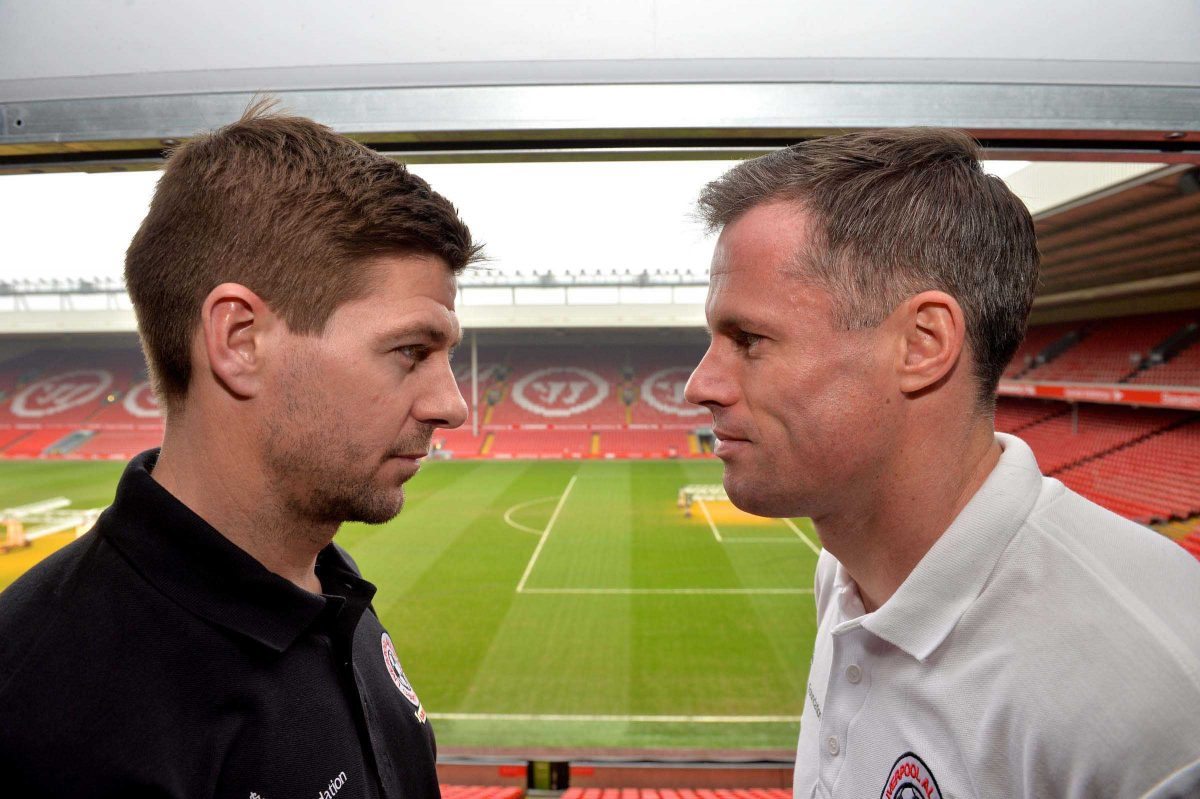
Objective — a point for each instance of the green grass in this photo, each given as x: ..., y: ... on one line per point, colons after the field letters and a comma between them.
x: 622, y: 614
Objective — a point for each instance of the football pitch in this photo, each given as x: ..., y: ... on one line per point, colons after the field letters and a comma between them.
x: 566, y: 603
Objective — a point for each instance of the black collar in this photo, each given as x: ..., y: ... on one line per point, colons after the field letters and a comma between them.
x: 186, y: 559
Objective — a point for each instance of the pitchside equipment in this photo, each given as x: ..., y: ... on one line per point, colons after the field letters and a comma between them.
x: 49, y: 516
x: 690, y: 494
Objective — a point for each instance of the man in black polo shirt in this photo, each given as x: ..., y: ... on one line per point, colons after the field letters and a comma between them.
x: 295, y: 298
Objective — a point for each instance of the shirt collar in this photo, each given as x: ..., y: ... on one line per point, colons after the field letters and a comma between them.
x: 929, y: 603
x: 190, y: 562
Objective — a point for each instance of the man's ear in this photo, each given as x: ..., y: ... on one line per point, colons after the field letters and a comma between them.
x: 933, y: 336
x: 235, y: 327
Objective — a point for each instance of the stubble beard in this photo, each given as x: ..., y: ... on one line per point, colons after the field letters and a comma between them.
x: 320, y: 474
x: 335, y: 485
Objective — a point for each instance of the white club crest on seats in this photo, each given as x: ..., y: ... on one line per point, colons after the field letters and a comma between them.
x: 61, y: 392
x: 560, y: 391
x: 663, y: 391
x: 141, y: 402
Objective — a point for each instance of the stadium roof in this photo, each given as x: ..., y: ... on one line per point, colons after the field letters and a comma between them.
x: 1112, y: 234
x: 634, y: 91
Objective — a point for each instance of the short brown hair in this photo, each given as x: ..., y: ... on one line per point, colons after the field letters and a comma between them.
x: 896, y: 212
x: 286, y: 207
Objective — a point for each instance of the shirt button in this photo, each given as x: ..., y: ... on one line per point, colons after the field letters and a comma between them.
x: 833, y: 745
x: 853, y: 674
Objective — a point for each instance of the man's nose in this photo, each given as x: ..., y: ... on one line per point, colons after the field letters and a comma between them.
x: 444, y: 406
x: 709, y: 384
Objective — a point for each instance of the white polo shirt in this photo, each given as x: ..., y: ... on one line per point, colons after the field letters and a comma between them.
x: 1044, y: 647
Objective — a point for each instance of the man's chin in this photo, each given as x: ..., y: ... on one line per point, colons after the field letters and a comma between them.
x: 757, y: 498
x: 379, y: 508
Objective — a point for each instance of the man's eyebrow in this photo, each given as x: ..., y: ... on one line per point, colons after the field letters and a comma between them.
x: 429, y: 333
x: 737, y: 322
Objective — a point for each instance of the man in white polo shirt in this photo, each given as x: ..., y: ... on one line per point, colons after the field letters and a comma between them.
x: 983, y: 631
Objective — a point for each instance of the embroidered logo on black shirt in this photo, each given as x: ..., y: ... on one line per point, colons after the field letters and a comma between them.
x: 399, y: 677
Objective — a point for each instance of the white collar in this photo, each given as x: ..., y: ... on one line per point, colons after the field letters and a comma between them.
x: 930, y: 601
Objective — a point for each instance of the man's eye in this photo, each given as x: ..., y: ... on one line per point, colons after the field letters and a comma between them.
x: 746, y: 340
x: 413, y: 352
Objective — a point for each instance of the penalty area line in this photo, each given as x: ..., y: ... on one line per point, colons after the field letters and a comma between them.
x: 546, y: 533
x: 615, y: 718
x: 711, y: 524
x: 816, y: 549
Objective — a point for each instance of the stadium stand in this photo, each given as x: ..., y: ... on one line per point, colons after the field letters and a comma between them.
x: 1192, y: 544
x: 1155, y: 479
x: 542, y: 443
x: 562, y: 387
x: 458, y: 442
x: 1183, y: 369
x: 1176, y: 529
x: 677, y: 793
x: 36, y: 443
x: 1014, y: 415
x: 541, y: 400
x: 481, y: 792
x: 648, y: 443
x: 119, y: 444
x: 9, y: 436
x: 83, y: 404
x: 1061, y: 441
x: 1036, y: 342
x: 1111, y: 350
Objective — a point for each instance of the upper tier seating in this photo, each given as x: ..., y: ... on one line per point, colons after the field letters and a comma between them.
x: 1036, y: 339
x: 1181, y: 370
x: 597, y: 386
x: 561, y: 386
x: 1111, y: 350
x: 658, y: 382
x: 84, y: 388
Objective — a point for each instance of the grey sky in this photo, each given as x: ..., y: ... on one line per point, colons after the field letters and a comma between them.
x: 533, y: 217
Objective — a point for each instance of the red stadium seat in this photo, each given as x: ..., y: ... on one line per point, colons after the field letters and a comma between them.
x: 1112, y: 349
x: 482, y: 792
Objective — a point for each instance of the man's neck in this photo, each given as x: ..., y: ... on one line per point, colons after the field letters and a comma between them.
x: 236, y: 498
x: 880, y: 542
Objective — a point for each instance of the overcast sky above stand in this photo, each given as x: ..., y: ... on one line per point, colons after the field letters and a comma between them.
x: 532, y: 217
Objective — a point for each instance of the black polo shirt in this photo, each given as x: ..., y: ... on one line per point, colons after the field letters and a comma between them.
x: 152, y: 657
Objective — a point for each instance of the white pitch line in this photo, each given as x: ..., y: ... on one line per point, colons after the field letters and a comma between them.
x: 668, y: 591
x: 615, y: 718
x: 711, y: 524
x: 803, y: 537
x: 772, y: 540
x: 546, y: 533
x: 520, y: 506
